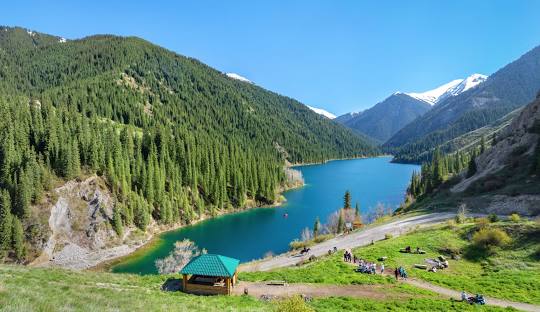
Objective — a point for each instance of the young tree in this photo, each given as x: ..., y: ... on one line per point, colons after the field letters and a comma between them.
x: 357, y: 210
x: 316, y: 227
x: 18, y: 239
x: 117, y: 221
x: 6, y: 222
x: 347, y: 200
x: 340, y: 223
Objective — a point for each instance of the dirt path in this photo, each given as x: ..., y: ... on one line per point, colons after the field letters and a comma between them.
x: 353, y: 240
x: 457, y: 295
x: 257, y: 289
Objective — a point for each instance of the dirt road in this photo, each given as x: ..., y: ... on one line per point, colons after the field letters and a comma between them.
x: 356, y: 239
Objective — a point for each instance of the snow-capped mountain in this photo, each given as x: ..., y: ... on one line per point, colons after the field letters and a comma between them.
x: 452, y: 88
x: 238, y: 77
x: 321, y: 111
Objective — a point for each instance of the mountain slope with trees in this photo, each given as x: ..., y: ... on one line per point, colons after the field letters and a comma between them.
x: 501, y: 176
x: 511, y: 87
x: 173, y: 138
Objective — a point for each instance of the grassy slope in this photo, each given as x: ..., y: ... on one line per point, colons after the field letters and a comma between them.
x: 513, y: 273
x: 31, y: 289
x: 24, y: 289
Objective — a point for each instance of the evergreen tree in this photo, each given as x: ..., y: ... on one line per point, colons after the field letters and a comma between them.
x: 316, y: 227
x: 18, y: 239
x: 347, y: 200
x: 472, y: 167
x: 6, y: 222
x: 357, y: 210
x: 117, y: 221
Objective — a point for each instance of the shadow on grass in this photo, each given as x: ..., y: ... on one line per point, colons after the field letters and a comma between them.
x: 172, y: 284
x: 475, y: 253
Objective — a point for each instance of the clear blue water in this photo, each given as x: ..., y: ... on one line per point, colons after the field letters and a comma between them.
x: 251, y: 234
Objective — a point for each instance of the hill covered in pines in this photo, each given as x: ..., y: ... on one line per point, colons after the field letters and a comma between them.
x: 173, y: 138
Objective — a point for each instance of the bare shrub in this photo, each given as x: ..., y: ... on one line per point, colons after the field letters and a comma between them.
x: 306, y: 234
x: 461, y: 216
x: 183, y: 252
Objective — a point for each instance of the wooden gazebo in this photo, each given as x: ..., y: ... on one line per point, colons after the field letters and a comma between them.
x: 210, y: 274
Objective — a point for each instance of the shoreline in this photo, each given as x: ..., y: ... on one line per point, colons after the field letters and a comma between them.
x: 153, y: 239
x: 336, y: 159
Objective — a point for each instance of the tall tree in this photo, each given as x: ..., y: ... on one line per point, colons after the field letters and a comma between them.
x: 347, y: 200
x: 316, y: 227
x: 6, y: 222
x: 18, y: 239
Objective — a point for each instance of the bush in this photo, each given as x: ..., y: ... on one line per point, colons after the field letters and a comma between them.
x: 489, y: 238
x: 322, y: 238
x: 296, y: 244
x: 293, y: 304
x: 493, y: 218
x: 482, y: 223
x: 388, y: 236
x: 515, y: 217
x: 451, y: 224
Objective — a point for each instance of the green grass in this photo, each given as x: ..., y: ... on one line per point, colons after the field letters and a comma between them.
x: 329, y: 270
x: 420, y: 304
x: 25, y: 289
x: 512, y: 273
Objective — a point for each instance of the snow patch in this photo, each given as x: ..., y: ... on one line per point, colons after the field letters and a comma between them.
x: 449, y: 89
x: 31, y: 33
x: 62, y: 40
x: 238, y: 77
x: 322, y: 112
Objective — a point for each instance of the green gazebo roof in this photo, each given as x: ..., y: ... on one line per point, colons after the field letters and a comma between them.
x: 211, y: 265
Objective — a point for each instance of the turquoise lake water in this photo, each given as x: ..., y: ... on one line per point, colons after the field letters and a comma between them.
x: 251, y: 234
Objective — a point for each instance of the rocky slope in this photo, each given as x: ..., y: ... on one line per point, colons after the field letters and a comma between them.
x: 79, y: 225
x: 506, y: 171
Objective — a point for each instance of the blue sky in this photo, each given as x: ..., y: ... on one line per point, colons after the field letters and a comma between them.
x: 338, y: 55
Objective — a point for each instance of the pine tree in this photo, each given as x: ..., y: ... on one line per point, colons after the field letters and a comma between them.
x: 18, y: 239
x: 316, y: 227
x: 347, y: 200
x: 6, y: 222
x: 117, y: 221
x: 472, y: 167
x: 357, y: 210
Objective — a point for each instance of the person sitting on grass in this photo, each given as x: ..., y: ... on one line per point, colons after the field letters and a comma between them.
x: 463, y: 295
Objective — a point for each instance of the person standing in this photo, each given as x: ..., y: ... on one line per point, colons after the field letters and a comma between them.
x: 396, y: 272
x: 382, y: 268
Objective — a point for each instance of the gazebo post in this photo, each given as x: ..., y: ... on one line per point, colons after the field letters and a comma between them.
x: 228, y: 285
x: 184, y: 282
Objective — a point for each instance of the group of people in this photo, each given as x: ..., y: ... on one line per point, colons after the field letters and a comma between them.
x: 400, y: 272
x: 363, y: 266
x: 368, y: 267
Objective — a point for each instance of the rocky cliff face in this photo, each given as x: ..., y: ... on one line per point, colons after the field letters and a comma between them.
x: 80, y: 232
x: 503, y: 170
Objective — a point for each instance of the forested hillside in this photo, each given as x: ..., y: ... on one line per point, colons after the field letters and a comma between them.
x: 173, y: 138
x: 502, y: 176
x: 511, y: 87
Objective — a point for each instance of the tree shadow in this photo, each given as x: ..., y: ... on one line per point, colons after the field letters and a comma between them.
x: 172, y: 284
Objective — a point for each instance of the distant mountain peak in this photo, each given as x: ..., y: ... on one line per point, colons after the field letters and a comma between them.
x: 238, y: 77
x: 323, y: 112
x: 451, y: 88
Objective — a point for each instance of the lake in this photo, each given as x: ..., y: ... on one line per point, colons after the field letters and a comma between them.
x: 251, y: 234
